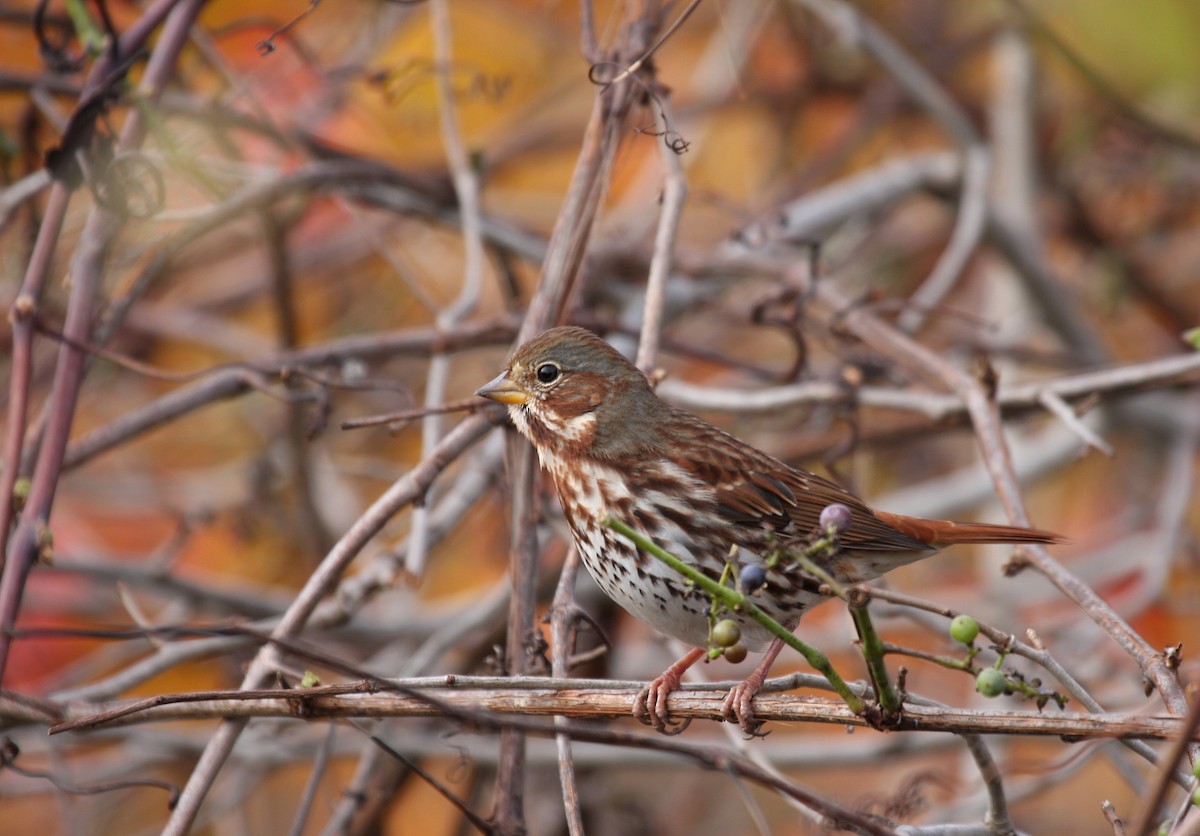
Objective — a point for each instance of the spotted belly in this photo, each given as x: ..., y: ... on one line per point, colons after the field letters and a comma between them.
x: 645, y: 586
x: 655, y: 593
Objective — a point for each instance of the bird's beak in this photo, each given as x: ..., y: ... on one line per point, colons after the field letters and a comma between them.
x: 503, y: 390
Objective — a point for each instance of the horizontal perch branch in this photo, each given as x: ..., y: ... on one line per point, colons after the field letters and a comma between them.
x: 461, y: 697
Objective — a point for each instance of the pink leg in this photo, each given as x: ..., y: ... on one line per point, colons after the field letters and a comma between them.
x: 738, y: 706
x: 650, y: 705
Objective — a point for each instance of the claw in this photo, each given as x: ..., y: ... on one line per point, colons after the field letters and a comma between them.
x: 642, y: 709
x: 739, y: 702
x: 650, y: 704
x: 650, y: 708
x: 739, y: 707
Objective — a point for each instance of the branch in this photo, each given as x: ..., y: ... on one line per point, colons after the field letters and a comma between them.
x: 584, y: 699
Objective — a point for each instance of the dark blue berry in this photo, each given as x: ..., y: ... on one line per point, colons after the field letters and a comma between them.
x: 751, y: 578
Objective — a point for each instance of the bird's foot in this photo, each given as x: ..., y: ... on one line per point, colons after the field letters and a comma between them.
x: 650, y: 704
x: 650, y: 707
x: 739, y: 704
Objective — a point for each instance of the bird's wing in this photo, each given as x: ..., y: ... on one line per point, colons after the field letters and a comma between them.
x: 754, y: 489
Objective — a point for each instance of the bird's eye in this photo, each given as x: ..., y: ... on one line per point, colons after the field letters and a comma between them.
x: 548, y: 373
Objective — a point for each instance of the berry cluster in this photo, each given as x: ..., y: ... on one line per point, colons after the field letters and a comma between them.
x: 993, y: 682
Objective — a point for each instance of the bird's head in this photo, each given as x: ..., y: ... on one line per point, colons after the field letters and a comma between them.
x: 570, y: 392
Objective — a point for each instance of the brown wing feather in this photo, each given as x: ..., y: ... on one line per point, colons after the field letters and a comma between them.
x: 755, y: 489
x: 942, y: 533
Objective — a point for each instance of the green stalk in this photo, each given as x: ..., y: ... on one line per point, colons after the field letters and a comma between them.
x: 803, y: 561
x: 733, y: 599
x: 873, y: 652
x: 93, y: 38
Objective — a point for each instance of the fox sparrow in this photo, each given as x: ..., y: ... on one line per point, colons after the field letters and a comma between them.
x: 616, y: 451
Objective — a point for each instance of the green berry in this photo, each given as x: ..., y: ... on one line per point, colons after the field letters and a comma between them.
x: 1195, y: 792
x: 714, y: 653
x: 726, y: 633
x: 736, y: 653
x: 964, y: 629
x: 1196, y: 768
x: 990, y: 682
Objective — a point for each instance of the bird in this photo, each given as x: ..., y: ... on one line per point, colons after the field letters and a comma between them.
x: 616, y: 451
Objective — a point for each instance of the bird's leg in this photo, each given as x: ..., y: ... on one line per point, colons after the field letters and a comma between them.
x: 738, y: 703
x: 650, y: 705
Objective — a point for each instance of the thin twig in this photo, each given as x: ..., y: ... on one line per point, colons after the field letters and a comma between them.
x: 673, y: 197
x: 562, y: 619
x: 997, y: 820
x: 308, y: 796
x: 1062, y: 410
x: 466, y: 189
x: 964, y: 239
x: 1160, y: 372
x: 509, y: 813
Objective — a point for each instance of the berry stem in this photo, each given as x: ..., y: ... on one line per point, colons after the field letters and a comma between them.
x: 734, y: 599
x: 822, y: 545
x: 950, y: 662
x: 873, y: 652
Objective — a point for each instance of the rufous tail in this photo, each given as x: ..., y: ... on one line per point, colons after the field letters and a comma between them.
x: 942, y: 533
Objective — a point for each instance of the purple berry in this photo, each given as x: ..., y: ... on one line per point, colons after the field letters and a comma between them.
x: 835, y: 518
